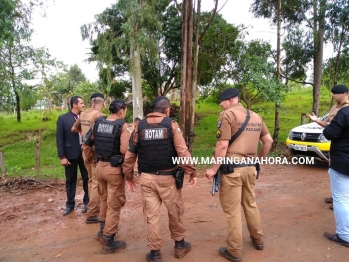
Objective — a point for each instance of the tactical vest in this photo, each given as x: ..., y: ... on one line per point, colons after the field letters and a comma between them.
x: 155, y: 146
x: 107, y: 136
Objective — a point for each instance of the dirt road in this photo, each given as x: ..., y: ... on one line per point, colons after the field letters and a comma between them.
x: 290, y: 199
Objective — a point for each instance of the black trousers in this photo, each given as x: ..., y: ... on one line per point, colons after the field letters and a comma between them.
x: 71, y: 175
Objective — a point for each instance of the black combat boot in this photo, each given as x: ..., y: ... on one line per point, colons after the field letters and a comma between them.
x: 111, y: 245
x: 181, y: 248
x: 154, y: 256
x: 100, y: 232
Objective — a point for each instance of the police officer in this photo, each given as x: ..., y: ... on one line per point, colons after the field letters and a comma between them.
x: 156, y: 140
x: 237, y: 187
x: 83, y: 124
x: 340, y: 95
x: 111, y: 136
x: 135, y: 121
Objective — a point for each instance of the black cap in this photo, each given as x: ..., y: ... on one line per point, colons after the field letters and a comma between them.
x: 97, y: 95
x: 339, y: 89
x: 157, y: 100
x: 229, y: 93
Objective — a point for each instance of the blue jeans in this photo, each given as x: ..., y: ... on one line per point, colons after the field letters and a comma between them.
x: 340, y: 194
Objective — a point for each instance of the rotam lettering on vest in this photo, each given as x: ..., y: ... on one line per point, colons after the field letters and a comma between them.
x: 105, y: 128
x: 156, y: 133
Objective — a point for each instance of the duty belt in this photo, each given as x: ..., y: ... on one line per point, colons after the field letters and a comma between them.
x: 161, y: 173
x: 103, y: 159
x: 242, y: 165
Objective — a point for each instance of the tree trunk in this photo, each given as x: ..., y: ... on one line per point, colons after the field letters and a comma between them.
x: 135, y: 73
x: 318, y: 57
x: 2, y: 163
x: 338, y: 58
x: 37, y: 153
x: 186, y: 70
x: 278, y: 71
x: 191, y: 122
x: 18, y: 106
x: 173, y: 95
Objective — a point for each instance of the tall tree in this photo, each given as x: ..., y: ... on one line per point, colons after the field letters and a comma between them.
x: 338, y: 68
x: 15, y: 17
x: 162, y: 74
x: 61, y: 86
x: 253, y: 73
x: 19, y: 61
x: 274, y: 13
x: 217, y: 46
x: 186, y: 67
x: 189, y: 63
x: 303, y: 18
x: 138, y: 23
x: 76, y: 75
x: 200, y: 30
x: 337, y: 32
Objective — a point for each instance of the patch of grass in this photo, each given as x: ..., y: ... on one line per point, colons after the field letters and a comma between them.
x: 12, y: 131
x: 205, y: 129
x: 18, y: 142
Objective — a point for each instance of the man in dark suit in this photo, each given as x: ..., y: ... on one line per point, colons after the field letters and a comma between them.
x: 70, y: 154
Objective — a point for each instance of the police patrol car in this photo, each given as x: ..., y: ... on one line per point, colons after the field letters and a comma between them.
x: 308, y: 141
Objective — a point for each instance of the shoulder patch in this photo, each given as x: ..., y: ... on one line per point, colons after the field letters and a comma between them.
x: 128, y: 130
x: 218, y: 134
x: 219, y: 123
x: 179, y: 130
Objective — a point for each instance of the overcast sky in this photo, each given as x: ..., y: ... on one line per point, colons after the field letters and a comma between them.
x: 59, y: 31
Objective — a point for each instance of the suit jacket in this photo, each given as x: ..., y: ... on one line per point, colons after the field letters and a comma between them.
x: 68, y: 143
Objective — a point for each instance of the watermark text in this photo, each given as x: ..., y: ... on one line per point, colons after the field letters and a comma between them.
x: 243, y: 161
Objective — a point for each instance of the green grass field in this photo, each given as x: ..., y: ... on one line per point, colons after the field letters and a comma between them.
x: 18, y: 140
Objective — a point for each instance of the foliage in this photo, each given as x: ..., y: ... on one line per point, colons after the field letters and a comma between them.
x: 15, y: 18
x: 29, y: 96
x: 337, y: 32
x: 299, y: 51
x: 117, y: 88
x: 159, y: 52
x: 218, y: 42
x: 136, y: 36
x: 305, y: 43
x: 342, y: 70
x: 85, y: 90
x: 19, y: 61
x: 254, y: 73
x: 59, y: 87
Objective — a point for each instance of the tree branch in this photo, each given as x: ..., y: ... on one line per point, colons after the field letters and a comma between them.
x: 299, y: 82
x: 272, y: 7
x: 177, y: 7
x: 210, y: 20
x: 222, y: 6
